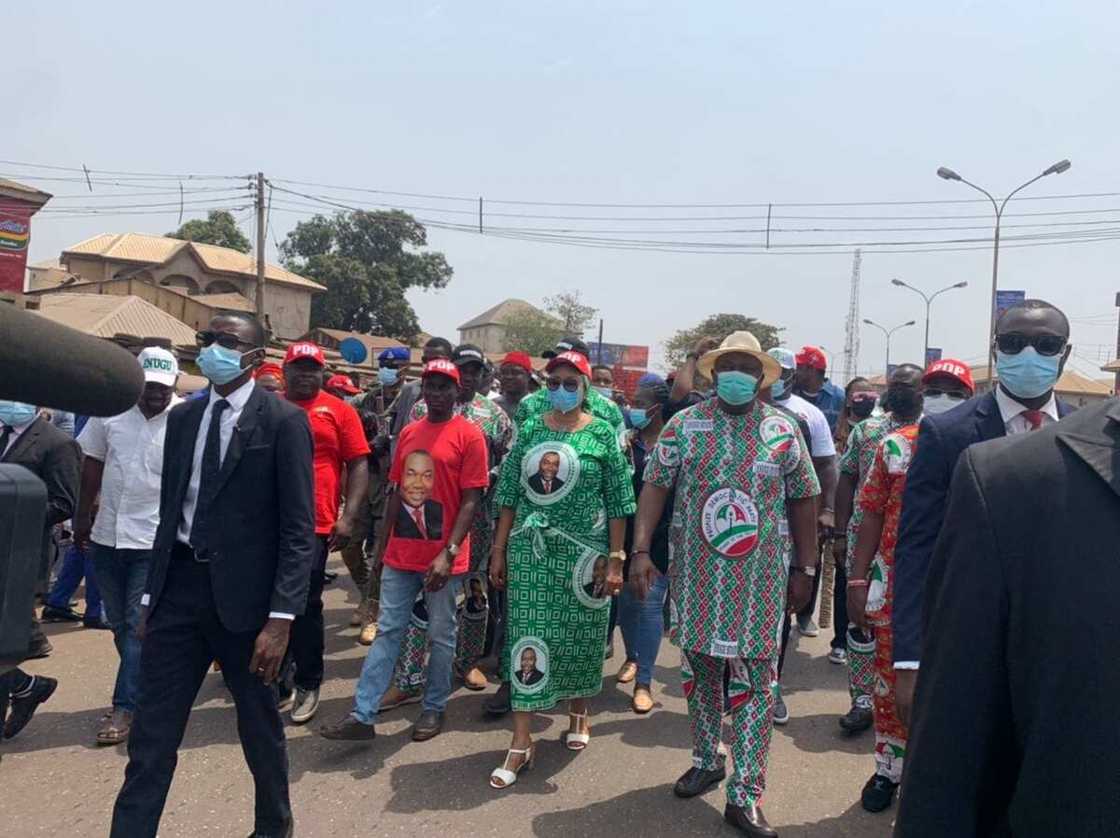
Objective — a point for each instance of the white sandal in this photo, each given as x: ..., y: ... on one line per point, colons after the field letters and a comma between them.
x: 507, y: 778
x: 576, y: 741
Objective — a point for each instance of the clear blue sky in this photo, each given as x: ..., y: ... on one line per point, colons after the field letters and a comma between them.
x: 611, y: 103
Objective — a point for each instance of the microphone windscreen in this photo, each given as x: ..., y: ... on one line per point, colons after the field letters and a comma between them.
x: 50, y: 365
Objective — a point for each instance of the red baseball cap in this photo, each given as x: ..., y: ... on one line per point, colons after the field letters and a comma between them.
x: 305, y: 349
x: 517, y: 359
x: 269, y: 369
x: 572, y: 359
x: 811, y: 356
x: 441, y: 366
x: 343, y: 383
x: 953, y: 367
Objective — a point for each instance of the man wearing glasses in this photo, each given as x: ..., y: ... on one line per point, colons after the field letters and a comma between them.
x: 1030, y: 349
x: 229, y: 573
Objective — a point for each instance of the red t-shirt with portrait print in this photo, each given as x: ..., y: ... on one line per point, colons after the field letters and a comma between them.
x: 434, y: 464
x: 338, y: 435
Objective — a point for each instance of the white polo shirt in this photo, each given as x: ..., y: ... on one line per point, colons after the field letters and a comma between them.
x: 131, y: 447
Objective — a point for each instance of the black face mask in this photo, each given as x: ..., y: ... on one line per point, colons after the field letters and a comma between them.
x: 861, y: 408
x: 904, y: 402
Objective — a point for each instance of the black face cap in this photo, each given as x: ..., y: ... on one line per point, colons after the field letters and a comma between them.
x: 467, y: 353
x: 568, y: 345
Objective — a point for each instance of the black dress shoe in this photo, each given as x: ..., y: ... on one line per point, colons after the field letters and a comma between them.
x: 498, y: 705
x: 40, y: 648
x: 428, y: 726
x: 696, y: 781
x: 59, y: 615
x: 100, y: 623
x: 348, y: 730
x: 749, y: 820
x: 23, y: 707
x: 858, y: 719
x: 878, y: 793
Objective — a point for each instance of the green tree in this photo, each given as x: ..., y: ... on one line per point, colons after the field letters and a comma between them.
x: 718, y: 326
x: 532, y: 332
x: 568, y: 307
x: 367, y: 261
x: 219, y: 228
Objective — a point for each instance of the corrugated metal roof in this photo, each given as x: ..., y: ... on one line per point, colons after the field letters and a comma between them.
x: 155, y: 250
x: 106, y: 315
x: 231, y: 300
x: 371, y: 341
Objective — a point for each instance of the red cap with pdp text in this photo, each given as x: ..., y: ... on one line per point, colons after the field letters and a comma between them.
x: 573, y: 359
x: 305, y: 349
x: 953, y: 367
x: 441, y: 366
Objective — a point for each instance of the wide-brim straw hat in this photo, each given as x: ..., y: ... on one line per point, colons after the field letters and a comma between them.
x: 743, y: 343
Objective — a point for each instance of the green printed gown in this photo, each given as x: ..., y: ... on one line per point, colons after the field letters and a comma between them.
x: 564, y: 488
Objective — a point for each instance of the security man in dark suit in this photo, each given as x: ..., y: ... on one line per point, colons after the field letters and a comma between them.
x: 230, y: 569
x: 1031, y: 347
x: 1015, y: 729
x: 28, y: 439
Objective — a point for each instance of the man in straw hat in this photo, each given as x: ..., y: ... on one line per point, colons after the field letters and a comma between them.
x: 744, y: 530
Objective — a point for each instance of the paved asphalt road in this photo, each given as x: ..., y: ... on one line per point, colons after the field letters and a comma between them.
x: 56, y: 781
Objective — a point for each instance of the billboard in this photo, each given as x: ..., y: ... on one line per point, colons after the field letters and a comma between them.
x: 15, y: 233
x: 620, y: 355
x: 933, y: 353
x: 1006, y: 299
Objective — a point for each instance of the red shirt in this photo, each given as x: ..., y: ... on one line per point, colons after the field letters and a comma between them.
x: 434, y: 464
x: 339, y: 438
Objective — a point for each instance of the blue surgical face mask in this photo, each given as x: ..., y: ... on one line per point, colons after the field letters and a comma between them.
x: 639, y: 417
x: 565, y: 400
x: 1027, y: 375
x: 14, y: 414
x: 605, y: 392
x: 388, y: 376
x: 219, y: 364
x: 736, y: 388
x: 779, y: 389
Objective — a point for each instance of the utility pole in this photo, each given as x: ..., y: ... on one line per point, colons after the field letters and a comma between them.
x: 1117, y: 383
x: 260, y: 248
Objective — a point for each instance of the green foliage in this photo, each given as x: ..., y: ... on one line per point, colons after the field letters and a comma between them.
x: 219, y: 228
x: 366, y: 262
x: 532, y: 332
x: 568, y: 307
x: 718, y: 326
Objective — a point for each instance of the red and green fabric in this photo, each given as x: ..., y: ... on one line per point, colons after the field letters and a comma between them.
x: 729, y: 538
x: 856, y: 461
x: 890, y: 733
x: 598, y: 405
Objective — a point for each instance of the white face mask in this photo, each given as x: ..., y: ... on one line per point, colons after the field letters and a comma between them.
x: 939, y: 404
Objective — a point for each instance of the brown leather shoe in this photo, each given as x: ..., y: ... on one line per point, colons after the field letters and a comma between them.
x: 628, y: 672
x: 643, y: 701
x: 749, y: 820
x: 348, y: 729
x: 474, y: 679
x: 394, y: 698
x: 114, y: 729
x: 368, y: 633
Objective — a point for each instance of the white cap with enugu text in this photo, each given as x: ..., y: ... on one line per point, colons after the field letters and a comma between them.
x: 159, y: 366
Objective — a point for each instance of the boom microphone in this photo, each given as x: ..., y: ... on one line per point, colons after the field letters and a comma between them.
x: 50, y: 365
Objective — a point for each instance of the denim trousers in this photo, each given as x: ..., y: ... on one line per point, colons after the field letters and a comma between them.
x: 399, y: 589
x: 642, y: 623
x: 76, y: 564
x: 123, y: 575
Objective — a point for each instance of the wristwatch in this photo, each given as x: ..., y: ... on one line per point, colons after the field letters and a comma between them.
x: 452, y: 549
x: 808, y: 571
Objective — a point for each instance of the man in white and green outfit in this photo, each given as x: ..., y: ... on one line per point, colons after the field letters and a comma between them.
x: 743, y: 535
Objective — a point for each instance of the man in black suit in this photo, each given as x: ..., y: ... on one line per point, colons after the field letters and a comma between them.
x: 528, y: 674
x: 545, y: 481
x: 28, y: 439
x: 419, y: 515
x: 1030, y: 349
x: 230, y: 568
x: 1015, y: 728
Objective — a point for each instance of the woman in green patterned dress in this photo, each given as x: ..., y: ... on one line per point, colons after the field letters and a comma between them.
x: 564, y: 494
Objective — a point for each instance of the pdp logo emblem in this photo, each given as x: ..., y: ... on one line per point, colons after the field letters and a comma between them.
x: 777, y: 434
x: 729, y: 522
x: 897, y: 454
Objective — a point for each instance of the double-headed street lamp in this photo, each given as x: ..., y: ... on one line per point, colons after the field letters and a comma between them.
x: 949, y: 174
x: 929, y: 299
x: 888, y: 332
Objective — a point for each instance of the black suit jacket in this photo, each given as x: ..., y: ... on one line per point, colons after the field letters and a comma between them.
x: 263, y: 529
x: 433, y: 522
x: 55, y: 458
x: 1015, y: 729
x: 941, y: 439
x: 536, y: 483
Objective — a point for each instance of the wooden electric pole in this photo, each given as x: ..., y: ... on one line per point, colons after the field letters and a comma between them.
x: 260, y: 248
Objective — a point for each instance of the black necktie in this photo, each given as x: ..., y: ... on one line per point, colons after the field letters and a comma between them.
x: 208, y: 478
x: 5, y: 435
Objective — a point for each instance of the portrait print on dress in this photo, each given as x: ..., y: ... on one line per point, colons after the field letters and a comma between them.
x: 549, y: 471
x: 419, y: 515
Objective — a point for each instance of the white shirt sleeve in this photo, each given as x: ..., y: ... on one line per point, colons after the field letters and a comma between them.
x: 94, y: 440
x: 822, y: 444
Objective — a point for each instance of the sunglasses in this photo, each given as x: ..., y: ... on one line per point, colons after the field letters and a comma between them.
x: 1013, y: 344
x: 957, y: 392
x: 569, y: 384
x: 223, y: 339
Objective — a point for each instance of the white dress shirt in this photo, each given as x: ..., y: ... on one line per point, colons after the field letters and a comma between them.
x: 1014, y: 422
x: 131, y: 448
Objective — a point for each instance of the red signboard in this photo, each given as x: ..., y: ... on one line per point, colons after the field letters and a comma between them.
x: 15, y: 233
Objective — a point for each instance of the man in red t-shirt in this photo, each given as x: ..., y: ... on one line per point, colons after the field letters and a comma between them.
x: 340, y: 443
x: 439, y: 473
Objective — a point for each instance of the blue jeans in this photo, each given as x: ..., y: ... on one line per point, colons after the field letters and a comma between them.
x: 398, y: 594
x: 642, y: 623
x: 75, y: 565
x: 123, y: 575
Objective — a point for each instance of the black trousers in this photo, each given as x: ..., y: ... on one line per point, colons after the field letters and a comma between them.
x: 306, y: 645
x: 839, y: 608
x: 183, y: 636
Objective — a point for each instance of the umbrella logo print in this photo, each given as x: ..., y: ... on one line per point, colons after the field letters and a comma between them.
x: 777, y: 434
x: 730, y: 523
x: 896, y: 453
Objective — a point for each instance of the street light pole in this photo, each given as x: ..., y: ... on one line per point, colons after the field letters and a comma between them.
x: 887, y: 333
x: 948, y: 174
x: 929, y: 300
